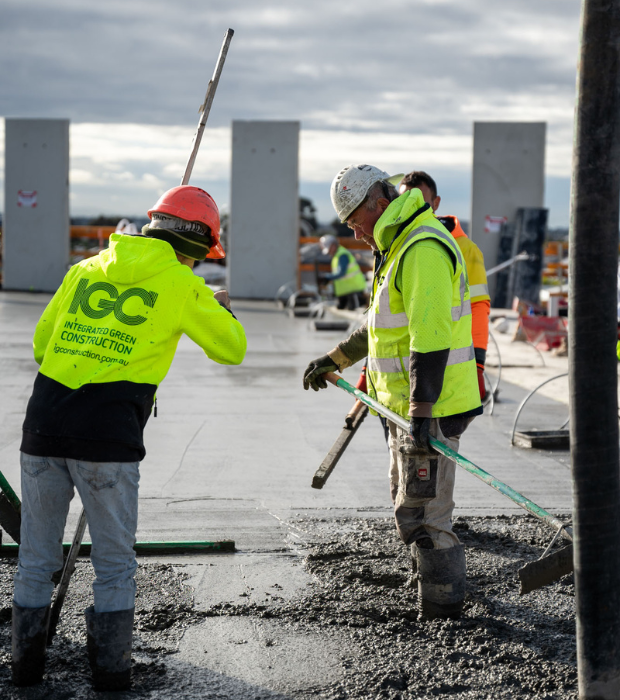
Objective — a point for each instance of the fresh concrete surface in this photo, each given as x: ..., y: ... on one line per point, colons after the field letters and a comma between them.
x: 268, y: 654
x: 233, y: 449
x: 231, y: 455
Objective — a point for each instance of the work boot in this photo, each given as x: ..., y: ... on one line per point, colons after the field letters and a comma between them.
x: 109, y: 648
x: 29, y: 643
x: 441, y: 582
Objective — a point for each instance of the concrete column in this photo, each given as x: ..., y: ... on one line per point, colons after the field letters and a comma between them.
x: 508, y: 173
x: 35, y: 248
x: 263, y: 246
x: 592, y: 361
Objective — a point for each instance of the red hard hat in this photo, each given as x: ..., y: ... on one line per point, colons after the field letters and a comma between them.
x: 193, y: 204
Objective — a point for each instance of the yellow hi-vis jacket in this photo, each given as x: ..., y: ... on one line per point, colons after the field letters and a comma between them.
x: 353, y: 280
x: 420, y: 315
x: 105, y: 342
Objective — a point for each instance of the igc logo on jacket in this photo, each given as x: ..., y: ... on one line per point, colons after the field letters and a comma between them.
x: 81, y: 299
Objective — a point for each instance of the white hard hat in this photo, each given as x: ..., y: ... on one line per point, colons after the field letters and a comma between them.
x: 327, y: 242
x: 350, y: 187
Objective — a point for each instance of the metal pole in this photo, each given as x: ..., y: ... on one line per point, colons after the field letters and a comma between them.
x: 205, y: 108
x: 592, y: 351
x: 457, y: 458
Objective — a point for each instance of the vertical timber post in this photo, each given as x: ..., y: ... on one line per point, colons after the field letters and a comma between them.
x: 592, y: 351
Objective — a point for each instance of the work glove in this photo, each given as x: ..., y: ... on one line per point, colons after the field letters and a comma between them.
x: 419, y: 430
x: 313, y: 376
x: 481, y: 385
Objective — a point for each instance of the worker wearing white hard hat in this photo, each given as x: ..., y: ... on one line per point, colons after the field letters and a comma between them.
x: 421, y: 365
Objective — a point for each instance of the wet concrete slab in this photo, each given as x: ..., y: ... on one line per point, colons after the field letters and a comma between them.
x: 232, y: 452
x: 273, y: 656
x: 235, y: 446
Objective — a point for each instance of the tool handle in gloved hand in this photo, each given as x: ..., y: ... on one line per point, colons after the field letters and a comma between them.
x: 315, y: 373
x: 448, y: 452
x: 419, y: 429
x: 67, y: 572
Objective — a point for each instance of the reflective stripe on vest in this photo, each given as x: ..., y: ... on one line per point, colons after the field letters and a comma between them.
x: 478, y: 290
x: 393, y: 364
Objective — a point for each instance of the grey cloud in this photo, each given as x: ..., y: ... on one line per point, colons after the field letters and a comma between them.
x: 321, y: 62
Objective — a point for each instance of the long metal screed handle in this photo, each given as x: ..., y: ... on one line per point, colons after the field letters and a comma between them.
x: 481, y: 474
x: 205, y: 107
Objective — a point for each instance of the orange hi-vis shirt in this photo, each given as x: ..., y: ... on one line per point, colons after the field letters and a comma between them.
x: 476, y: 273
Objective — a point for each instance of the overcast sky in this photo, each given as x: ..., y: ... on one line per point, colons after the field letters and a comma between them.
x: 397, y: 83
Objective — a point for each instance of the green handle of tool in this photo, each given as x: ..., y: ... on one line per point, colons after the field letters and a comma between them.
x: 448, y: 452
x: 9, y: 493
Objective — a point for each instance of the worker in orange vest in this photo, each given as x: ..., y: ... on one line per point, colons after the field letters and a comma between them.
x: 474, y: 262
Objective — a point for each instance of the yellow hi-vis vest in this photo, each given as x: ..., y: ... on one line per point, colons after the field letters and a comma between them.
x: 353, y: 281
x: 389, y: 340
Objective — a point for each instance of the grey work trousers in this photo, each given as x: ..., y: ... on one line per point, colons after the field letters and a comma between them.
x: 422, y: 488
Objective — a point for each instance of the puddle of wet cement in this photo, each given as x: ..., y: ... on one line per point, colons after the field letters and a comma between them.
x: 249, y: 578
x: 268, y: 654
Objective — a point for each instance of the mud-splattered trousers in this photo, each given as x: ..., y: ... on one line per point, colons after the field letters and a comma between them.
x: 109, y: 494
x: 422, y: 486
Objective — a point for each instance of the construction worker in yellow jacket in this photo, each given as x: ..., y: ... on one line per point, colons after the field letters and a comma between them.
x: 474, y: 262
x: 347, y: 278
x: 420, y: 364
x: 104, y: 343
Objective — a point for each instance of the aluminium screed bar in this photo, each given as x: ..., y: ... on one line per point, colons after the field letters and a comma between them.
x: 470, y: 467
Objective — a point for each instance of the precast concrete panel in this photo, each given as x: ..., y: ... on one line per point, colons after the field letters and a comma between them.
x: 508, y: 173
x: 35, y: 237
x: 263, y: 244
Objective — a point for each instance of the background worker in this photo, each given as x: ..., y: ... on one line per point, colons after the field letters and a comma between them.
x: 348, y: 280
x: 104, y: 343
x: 420, y: 365
x: 474, y: 262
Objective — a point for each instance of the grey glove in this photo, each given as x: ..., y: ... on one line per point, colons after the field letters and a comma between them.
x: 313, y: 376
x: 419, y: 430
